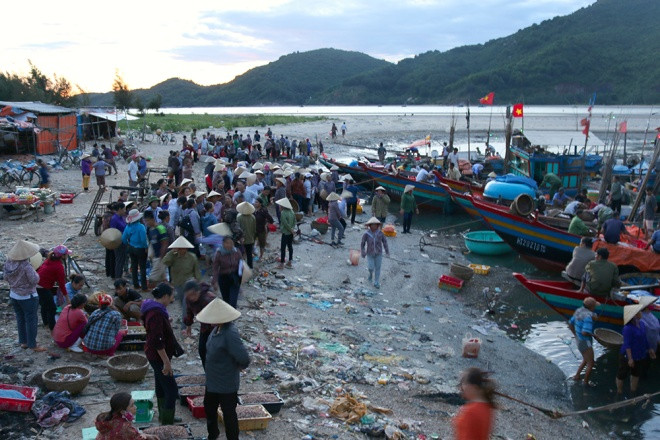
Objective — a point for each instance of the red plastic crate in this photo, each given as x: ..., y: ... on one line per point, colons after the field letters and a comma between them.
x: 197, y: 411
x: 450, y: 283
x: 18, y: 405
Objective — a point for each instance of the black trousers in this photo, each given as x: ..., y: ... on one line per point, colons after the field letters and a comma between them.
x: 203, y: 337
x: 165, y: 386
x: 249, y: 252
x: 227, y: 403
x: 110, y: 263
x: 286, y: 242
x: 230, y: 287
x: 138, y: 259
x: 48, y: 308
x: 351, y: 210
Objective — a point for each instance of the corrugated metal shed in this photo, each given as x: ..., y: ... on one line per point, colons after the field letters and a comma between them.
x: 560, y: 138
x: 37, y: 107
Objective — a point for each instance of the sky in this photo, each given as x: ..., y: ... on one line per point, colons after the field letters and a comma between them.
x: 213, y: 41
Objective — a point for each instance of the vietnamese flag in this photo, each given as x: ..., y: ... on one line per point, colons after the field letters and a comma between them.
x: 488, y: 99
x: 518, y: 110
x: 623, y: 127
x: 585, y: 130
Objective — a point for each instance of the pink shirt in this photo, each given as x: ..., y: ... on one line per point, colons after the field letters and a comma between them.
x: 69, y: 320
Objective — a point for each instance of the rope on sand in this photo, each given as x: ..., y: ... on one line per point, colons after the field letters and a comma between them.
x: 553, y: 414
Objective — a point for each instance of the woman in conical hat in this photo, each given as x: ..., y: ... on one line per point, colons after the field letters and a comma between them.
x: 23, y: 279
x: 635, y: 351
x: 372, y: 246
x: 226, y: 357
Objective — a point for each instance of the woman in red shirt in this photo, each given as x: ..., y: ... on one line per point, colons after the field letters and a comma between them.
x: 117, y: 424
x: 474, y: 420
x: 51, y: 272
x: 70, y: 324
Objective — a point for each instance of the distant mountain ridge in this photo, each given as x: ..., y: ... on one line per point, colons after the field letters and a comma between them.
x: 293, y: 79
x: 610, y: 48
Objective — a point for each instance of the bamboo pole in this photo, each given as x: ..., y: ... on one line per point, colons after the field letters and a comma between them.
x: 642, y: 186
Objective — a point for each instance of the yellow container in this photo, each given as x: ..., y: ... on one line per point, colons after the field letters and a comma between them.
x: 359, y: 209
x: 480, y: 269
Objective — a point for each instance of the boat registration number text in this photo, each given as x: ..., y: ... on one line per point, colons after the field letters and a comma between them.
x: 531, y: 245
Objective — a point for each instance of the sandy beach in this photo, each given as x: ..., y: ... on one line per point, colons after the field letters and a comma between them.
x: 398, y: 347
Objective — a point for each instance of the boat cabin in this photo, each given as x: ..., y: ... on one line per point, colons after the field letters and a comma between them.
x: 532, y: 156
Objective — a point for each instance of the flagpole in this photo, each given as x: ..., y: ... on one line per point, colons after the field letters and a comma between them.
x: 490, y: 118
x: 467, y: 117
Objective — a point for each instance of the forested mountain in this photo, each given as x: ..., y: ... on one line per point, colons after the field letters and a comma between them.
x: 293, y: 79
x: 610, y: 47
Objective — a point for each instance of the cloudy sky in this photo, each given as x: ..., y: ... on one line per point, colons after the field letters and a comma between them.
x: 212, y: 41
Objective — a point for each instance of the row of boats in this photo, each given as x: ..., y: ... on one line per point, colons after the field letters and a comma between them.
x: 543, y: 241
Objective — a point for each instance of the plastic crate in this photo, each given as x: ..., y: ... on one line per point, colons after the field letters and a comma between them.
x: 89, y: 433
x: 18, y: 405
x: 271, y: 407
x: 251, y: 424
x: 144, y: 404
x: 198, y: 412
x: 450, y: 283
x: 480, y: 269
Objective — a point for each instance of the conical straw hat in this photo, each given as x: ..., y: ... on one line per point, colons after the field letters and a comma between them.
x: 217, y: 312
x: 181, y: 243
x: 372, y: 221
x: 22, y: 250
x: 408, y: 188
x: 36, y: 260
x: 213, y: 194
x: 630, y: 311
x: 245, y: 208
x: 222, y: 229
x: 333, y: 196
x: 251, y: 179
x: 284, y: 203
x: 185, y: 181
x: 110, y: 238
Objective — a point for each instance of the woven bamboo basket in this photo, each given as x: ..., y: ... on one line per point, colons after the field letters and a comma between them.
x: 321, y: 227
x: 130, y: 367
x: 608, y: 338
x: 72, y: 386
x: 461, y: 271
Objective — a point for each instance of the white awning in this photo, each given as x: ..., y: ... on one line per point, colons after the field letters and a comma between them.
x: 112, y: 116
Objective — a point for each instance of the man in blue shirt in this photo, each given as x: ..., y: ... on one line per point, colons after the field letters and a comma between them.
x: 582, y: 326
x: 655, y: 242
x: 613, y: 228
x: 560, y: 199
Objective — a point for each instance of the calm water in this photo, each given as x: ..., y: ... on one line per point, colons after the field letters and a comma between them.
x: 545, y: 332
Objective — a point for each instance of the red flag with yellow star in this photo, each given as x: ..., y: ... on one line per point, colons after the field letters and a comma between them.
x: 518, y: 110
x: 488, y: 99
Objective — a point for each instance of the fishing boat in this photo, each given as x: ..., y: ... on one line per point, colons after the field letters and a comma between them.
x: 356, y: 172
x: 564, y: 298
x: 485, y: 243
x: 530, y: 157
x: 549, y: 248
x: 429, y: 194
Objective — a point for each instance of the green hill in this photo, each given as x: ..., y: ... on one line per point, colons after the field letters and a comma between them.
x: 608, y: 48
x: 291, y: 80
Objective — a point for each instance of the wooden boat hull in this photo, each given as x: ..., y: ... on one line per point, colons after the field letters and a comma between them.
x: 429, y: 195
x: 485, y: 243
x: 564, y: 298
x: 357, y: 173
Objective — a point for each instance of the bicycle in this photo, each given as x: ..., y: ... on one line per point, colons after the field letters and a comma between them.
x: 30, y: 175
x: 11, y: 174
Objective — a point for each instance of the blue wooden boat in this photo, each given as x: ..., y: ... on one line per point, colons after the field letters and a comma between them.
x: 485, y: 243
x: 357, y: 173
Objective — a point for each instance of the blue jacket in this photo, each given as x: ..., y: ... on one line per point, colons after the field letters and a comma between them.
x: 135, y: 234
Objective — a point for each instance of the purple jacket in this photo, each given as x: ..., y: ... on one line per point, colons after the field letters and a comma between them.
x: 86, y: 167
x: 118, y: 222
x: 22, y: 277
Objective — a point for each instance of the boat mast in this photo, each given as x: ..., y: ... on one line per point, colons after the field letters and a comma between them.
x: 587, y: 126
x: 452, y: 131
x: 642, y: 186
x: 467, y: 118
x: 508, y: 132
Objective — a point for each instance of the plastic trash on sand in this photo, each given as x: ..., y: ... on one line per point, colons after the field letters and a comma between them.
x: 348, y: 408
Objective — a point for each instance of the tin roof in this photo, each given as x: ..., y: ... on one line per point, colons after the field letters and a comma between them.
x: 37, y: 107
x: 546, y: 138
x: 112, y: 116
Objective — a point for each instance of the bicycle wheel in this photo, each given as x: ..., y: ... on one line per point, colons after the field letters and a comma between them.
x: 4, y: 180
x: 76, y: 161
x: 31, y: 179
x: 148, y: 137
x: 172, y: 139
x: 65, y: 162
x: 98, y: 226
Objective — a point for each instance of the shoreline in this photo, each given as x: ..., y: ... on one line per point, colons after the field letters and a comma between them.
x: 361, y: 335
